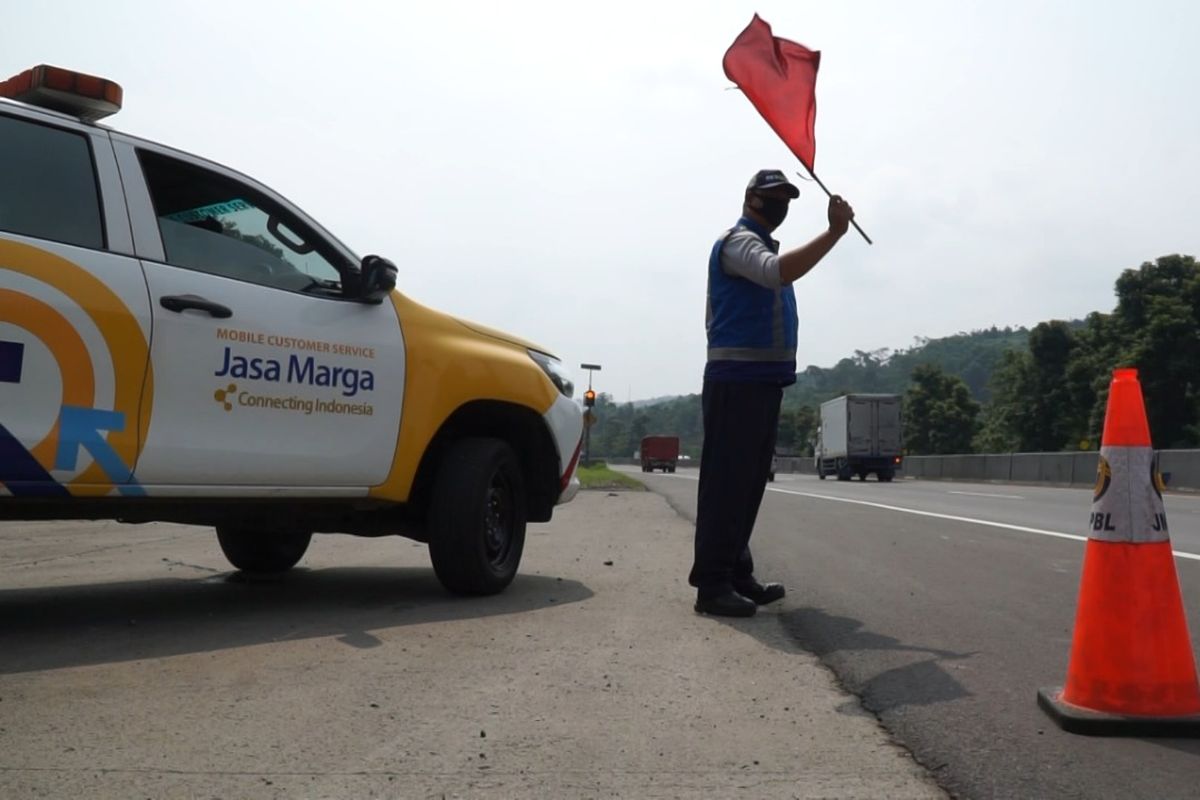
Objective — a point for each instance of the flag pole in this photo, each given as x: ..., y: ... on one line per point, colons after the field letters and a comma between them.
x: 852, y: 222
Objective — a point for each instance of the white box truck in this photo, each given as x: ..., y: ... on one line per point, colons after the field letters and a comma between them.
x: 859, y: 434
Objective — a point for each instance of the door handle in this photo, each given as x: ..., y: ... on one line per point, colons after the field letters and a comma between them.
x: 181, y: 302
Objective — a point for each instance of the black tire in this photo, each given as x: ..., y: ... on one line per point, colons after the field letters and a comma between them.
x: 821, y: 475
x: 885, y: 477
x: 262, y: 552
x: 771, y: 477
x: 862, y: 476
x: 671, y: 470
x: 477, y: 517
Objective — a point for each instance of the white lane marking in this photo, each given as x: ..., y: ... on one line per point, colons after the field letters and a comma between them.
x: 953, y: 518
x: 998, y: 496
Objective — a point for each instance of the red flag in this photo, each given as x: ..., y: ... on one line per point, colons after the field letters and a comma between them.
x: 780, y: 79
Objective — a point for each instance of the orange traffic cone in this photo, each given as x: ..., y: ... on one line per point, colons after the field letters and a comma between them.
x: 1131, y: 671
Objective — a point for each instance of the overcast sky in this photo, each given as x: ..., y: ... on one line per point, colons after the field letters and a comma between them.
x: 560, y: 170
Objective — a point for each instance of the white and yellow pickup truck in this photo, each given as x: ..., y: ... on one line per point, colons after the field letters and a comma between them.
x: 180, y: 343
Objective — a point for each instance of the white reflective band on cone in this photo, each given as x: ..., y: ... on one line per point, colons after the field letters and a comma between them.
x: 1127, y: 501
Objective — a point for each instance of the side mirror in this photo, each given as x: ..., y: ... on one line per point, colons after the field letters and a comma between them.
x: 378, y: 279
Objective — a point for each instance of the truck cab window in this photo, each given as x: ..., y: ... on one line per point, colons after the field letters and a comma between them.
x: 213, y: 224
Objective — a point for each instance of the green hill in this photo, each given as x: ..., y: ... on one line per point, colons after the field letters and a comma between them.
x: 972, y: 356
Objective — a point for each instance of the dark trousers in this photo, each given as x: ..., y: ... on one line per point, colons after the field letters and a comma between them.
x: 740, y: 422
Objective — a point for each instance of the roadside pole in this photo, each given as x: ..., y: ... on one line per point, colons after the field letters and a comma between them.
x: 589, y: 416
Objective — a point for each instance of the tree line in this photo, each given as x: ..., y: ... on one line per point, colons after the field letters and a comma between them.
x: 995, y: 390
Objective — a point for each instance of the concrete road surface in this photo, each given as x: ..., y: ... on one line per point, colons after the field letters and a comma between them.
x: 945, y: 606
x: 134, y: 663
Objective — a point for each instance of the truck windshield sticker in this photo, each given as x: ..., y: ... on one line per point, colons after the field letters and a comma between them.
x: 212, y: 210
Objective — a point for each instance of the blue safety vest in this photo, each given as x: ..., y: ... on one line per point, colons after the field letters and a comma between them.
x: 751, y: 329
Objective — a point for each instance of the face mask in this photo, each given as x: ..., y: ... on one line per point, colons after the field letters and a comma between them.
x: 773, y: 209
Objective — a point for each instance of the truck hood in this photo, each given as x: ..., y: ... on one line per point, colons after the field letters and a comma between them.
x: 504, y: 337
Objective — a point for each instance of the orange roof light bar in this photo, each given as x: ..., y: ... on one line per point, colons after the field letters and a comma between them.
x: 84, y: 96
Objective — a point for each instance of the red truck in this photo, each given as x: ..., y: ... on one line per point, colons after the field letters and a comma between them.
x: 659, y: 452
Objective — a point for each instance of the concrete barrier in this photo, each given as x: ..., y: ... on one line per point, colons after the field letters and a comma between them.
x: 1059, y: 469
x: 1056, y: 468
x: 1083, y: 469
x: 1180, y: 468
x: 952, y: 466
x: 997, y: 467
x: 1026, y: 467
x: 801, y: 465
x: 975, y: 467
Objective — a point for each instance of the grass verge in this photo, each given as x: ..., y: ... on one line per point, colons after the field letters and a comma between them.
x: 598, y: 476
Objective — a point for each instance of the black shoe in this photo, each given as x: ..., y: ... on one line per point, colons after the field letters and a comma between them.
x: 728, y: 604
x: 760, y: 593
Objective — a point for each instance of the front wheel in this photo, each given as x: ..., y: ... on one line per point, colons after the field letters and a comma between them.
x: 477, y: 517
x: 263, y: 552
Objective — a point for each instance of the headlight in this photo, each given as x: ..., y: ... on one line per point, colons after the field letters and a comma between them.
x: 555, y: 371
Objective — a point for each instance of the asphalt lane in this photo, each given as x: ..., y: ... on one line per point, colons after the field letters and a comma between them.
x: 1050, y: 509
x: 946, y: 627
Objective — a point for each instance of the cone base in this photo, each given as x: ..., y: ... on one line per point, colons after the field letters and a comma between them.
x: 1076, y: 719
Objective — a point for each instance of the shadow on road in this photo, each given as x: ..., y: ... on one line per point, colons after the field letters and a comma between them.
x: 69, y: 626
x: 821, y: 634
x: 835, y: 641
x: 1189, y: 746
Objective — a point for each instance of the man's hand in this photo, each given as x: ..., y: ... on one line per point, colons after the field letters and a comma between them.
x: 840, y: 214
x: 795, y: 264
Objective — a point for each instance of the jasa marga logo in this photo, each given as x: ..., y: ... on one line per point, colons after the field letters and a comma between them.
x: 298, y: 370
